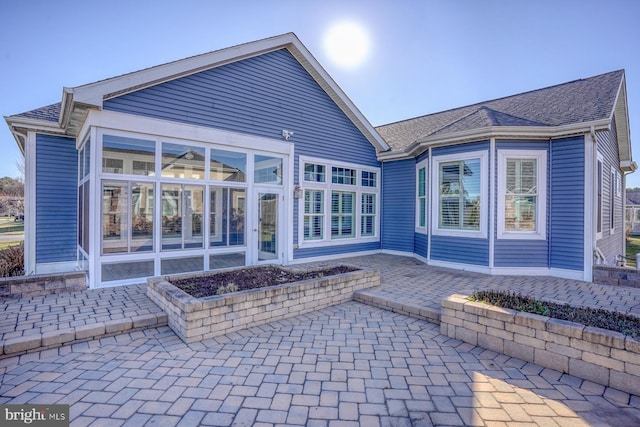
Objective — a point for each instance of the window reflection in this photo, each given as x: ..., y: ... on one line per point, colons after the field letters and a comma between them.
x: 182, y: 161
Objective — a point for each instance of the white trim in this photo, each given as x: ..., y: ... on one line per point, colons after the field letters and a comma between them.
x: 420, y: 165
x: 30, y: 204
x: 497, y: 132
x: 511, y: 271
x: 482, y: 155
x: 429, y: 216
x: 333, y: 257
x: 155, y: 128
x: 289, y: 197
x: 327, y: 186
x: 541, y: 204
x: 56, y: 267
x: 492, y: 201
x: 405, y: 254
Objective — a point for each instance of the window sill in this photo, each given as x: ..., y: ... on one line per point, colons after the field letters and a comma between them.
x: 307, y: 244
x: 469, y: 234
x: 520, y: 236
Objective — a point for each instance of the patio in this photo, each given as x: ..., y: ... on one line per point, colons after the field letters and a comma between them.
x: 350, y: 364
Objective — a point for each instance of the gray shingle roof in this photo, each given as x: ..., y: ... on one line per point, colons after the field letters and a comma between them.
x: 50, y: 113
x: 568, y: 103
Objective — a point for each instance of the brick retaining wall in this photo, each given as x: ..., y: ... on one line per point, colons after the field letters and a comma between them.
x: 194, y: 319
x: 42, y: 284
x: 616, y: 276
x: 598, y: 355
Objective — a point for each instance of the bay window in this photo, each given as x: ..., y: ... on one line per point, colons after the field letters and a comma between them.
x: 421, y: 196
x: 460, y: 199
x: 522, y: 194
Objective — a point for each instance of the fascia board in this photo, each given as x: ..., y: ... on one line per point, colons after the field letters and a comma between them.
x: 20, y: 127
x: 15, y: 122
x: 621, y: 114
x: 519, y: 132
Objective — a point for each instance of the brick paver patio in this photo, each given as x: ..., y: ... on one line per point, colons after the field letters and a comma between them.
x: 351, y: 364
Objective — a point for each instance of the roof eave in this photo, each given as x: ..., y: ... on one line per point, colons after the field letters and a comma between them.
x: 620, y: 113
x: 518, y: 132
x: 20, y: 126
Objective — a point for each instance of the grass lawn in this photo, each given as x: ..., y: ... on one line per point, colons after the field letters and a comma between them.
x: 5, y: 245
x: 8, y: 225
x: 10, y: 230
x: 633, y: 247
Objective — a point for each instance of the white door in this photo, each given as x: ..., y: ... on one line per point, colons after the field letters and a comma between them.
x: 267, y: 230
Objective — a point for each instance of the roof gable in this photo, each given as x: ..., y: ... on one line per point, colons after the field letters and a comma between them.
x: 77, y: 101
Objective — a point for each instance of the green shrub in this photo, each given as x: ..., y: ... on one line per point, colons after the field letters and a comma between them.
x: 596, y: 317
x: 227, y: 289
x: 12, y: 261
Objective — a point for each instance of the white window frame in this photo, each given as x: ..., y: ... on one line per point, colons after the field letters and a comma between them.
x: 423, y: 164
x: 541, y: 203
x: 327, y: 187
x: 482, y: 233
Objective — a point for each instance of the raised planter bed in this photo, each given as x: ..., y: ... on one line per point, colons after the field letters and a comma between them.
x: 604, y: 357
x: 195, y: 319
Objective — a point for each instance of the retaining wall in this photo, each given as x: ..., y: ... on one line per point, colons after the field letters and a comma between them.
x: 598, y: 355
x: 42, y: 284
x: 616, y: 276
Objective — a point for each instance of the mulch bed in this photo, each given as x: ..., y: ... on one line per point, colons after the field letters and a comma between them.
x: 251, y: 278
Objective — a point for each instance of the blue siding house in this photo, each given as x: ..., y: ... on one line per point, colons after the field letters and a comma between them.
x: 253, y: 155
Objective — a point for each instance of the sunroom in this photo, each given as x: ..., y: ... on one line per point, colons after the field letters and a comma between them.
x: 152, y: 205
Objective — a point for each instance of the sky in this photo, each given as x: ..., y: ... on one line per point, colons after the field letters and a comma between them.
x: 423, y: 56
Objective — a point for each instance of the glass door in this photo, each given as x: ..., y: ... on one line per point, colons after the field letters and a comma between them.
x: 268, y: 230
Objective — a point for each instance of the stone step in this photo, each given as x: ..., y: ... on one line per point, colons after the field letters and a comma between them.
x: 42, y: 341
x: 411, y: 310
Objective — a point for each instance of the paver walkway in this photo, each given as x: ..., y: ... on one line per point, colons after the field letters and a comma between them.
x: 52, y: 320
x: 351, y: 364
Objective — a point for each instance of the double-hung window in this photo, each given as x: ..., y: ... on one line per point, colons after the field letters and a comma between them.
x: 459, y: 205
x: 339, y: 202
x: 421, y: 196
x: 522, y: 199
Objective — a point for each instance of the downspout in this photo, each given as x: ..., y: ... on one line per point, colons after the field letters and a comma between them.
x: 429, y: 198
x: 594, y: 208
x: 549, y: 198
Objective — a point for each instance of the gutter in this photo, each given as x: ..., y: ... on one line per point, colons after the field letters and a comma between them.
x: 498, y: 132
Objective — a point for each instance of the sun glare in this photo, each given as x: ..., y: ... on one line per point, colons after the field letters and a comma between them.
x: 347, y: 44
